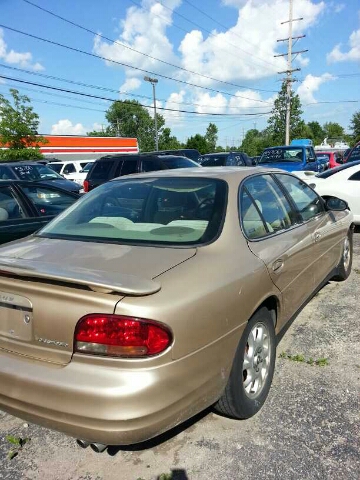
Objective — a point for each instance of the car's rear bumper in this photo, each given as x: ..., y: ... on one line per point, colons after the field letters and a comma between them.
x: 113, y: 405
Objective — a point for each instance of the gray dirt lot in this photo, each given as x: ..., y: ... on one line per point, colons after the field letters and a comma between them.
x: 308, y: 428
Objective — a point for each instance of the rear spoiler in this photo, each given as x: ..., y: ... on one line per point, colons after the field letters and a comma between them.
x: 96, y: 280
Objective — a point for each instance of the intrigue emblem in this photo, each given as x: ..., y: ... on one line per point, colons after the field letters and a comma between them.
x: 52, y: 342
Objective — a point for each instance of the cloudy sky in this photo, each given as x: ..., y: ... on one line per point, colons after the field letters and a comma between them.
x: 215, y: 61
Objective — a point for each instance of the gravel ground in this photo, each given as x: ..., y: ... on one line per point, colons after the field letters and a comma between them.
x: 308, y: 428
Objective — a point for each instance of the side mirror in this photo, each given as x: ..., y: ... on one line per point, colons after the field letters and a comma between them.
x: 336, y: 204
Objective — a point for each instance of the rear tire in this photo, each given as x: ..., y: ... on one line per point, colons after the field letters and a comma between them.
x: 345, y: 264
x: 253, y: 369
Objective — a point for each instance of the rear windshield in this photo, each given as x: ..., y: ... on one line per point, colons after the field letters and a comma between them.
x: 35, y: 172
x: 275, y: 155
x: 178, y: 162
x: 176, y: 211
x: 323, y: 156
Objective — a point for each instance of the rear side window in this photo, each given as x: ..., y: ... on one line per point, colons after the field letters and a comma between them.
x: 179, y: 162
x: 307, y: 202
x: 6, y: 173
x: 56, y: 166
x: 101, y: 170
x: 48, y: 201
x: 69, y: 168
x: 355, y: 154
x: 253, y: 224
x: 355, y: 176
x: 236, y: 161
x: 214, y: 161
x: 129, y: 166
x: 150, y: 165
x: 271, y: 203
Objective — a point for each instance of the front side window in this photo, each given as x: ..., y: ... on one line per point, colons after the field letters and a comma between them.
x: 56, y: 167
x: 307, y: 202
x: 214, y: 160
x: 48, y: 201
x: 176, y: 210
x: 355, y: 176
x: 9, y: 206
x: 149, y: 165
x: 271, y: 203
x: 69, y: 168
x: 101, y: 170
x: 129, y: 166
x: 178, y: 162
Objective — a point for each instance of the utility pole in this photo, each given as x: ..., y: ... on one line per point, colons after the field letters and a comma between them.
x: 289, y: 70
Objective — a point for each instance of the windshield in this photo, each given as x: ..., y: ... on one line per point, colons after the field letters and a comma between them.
x: 332, y: 171
x: 35, y: 172
x: 276, y: 155
x: 178, y: 162
x: 164, y: 210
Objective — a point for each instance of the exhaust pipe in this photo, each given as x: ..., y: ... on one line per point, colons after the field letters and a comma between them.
x: 98, y: 447
x: 82, y: 443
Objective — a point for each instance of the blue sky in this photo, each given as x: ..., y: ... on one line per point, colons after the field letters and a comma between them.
x: 218, y: 57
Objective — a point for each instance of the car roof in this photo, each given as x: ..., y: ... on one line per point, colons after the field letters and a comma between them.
x: 224, y: 173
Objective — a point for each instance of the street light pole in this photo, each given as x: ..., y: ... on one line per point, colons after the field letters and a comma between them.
x: 153, y: 82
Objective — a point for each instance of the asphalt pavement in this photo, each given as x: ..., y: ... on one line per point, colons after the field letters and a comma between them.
x: 308, y: 428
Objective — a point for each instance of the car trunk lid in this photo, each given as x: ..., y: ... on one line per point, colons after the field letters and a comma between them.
x: 47, y: 285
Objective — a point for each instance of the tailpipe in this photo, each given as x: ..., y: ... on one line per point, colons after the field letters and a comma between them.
x: 82, y: 443
x: 98, y: 447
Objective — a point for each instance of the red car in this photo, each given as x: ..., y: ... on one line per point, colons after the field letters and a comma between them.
x: 333, y: 159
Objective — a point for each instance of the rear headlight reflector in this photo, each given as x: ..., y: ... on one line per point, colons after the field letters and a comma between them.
x: 120, y: 336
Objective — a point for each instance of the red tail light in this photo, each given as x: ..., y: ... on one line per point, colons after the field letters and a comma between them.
x: 86, y: 186
x: 119, y: 336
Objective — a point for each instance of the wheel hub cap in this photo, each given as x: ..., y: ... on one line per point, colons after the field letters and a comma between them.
x: 256, y: 360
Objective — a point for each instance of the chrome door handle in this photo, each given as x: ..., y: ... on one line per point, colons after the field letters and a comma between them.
x: 277, y: 265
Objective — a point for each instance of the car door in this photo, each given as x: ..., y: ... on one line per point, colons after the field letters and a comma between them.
x: 321, y: 226
x: 277, y: 235
x: 17, y: 220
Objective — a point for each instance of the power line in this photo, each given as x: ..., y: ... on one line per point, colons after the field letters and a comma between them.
x: 87, y: 85
x: 77, y: 50
x: 115, y: 100
x: 88, y: 30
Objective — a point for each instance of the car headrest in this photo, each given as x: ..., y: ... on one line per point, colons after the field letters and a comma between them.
x: 3, y: 214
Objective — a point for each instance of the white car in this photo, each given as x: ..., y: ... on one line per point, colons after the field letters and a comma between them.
x: 80, y: 176
x: 342, y: 182
x: 70, y: 169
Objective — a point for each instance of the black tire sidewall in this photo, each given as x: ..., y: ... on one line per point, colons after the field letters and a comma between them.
x: 343, y: 273
x: 244, y: 406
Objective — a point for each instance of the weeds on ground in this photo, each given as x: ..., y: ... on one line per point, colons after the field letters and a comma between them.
x: 357, y: 270
x: 17, y: 443
x: 320, y: 362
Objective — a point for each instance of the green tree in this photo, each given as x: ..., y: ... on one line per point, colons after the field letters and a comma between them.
x: 355, y: 126
x: 199, y: 142
x: 317, y: 132
x: 168, y: 141
x: 18, y: 128
x: 129, y: 119
x: 255, y: 141
x: 333, y: 130
x: 211, y: 137
x: 276, y: 122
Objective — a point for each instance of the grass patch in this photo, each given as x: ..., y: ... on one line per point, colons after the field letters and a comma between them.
x: 17, y: 444
x: 320, y: 362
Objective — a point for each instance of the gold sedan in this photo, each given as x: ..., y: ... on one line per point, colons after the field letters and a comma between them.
x: 159, y: 294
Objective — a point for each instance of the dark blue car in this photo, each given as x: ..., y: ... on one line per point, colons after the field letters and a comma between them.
x: 36, y: 172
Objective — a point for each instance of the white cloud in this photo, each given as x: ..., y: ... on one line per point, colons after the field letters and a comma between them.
x: 130, y: 85
x: 23, y: 60
x: 66, y: 127
x: 352, y: 55
x: 303, y: 61
x: 310, y: 85
x: 243, y: 52
x: 339, y: 7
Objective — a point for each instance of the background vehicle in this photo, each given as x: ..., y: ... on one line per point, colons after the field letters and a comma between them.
x: 80, y: 176
x: 291, y: 158
x: 342, y: 182
x: 330, y: 159
x: 191, y: 153
x: 69, y: 169
x: 112, y: 166
x: 354, y: 154
x: 25, y: 207
x: 228, y: 159
x: 129, y: 350
x: 33, y: 171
